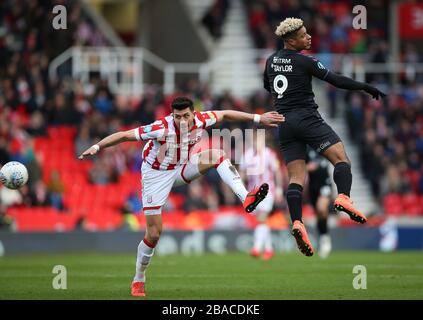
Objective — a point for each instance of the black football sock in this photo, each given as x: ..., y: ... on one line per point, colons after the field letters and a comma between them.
x: 322, y: 225
x: 343, y: 177
x: 294, y: 198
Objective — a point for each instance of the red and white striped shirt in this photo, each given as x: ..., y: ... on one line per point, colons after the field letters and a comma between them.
x: 260, y: 167
x: 170, y: 146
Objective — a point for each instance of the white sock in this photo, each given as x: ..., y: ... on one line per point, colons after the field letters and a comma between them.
x: 267, y: 239
x: 231, y: 177
x: 259, y: 234
x: 144, y: 255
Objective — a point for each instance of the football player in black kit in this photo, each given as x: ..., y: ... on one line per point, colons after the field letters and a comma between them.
x: 288, y: 77
x: 320, y: 195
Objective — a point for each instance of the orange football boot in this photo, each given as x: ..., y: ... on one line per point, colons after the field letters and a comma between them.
x: 344, y: 203
x: 138, y: 289
x: 267, y: 255
x: 300, y: 234
x: 254, y: 197
x: 254, y: 253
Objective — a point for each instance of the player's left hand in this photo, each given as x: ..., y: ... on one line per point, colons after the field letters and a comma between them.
x: 271, y: 119
x: 375, y: 92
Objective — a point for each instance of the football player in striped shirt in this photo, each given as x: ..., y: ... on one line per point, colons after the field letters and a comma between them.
x: 169, y: 160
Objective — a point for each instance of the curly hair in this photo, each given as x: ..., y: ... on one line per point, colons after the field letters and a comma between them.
x: 288, y: 27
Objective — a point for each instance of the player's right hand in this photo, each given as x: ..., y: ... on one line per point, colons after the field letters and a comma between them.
x: 89, y: 152
x: 271, y: 119
x: 374, y: 92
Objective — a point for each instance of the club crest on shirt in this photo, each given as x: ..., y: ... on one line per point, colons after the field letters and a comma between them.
x: 149, y: 199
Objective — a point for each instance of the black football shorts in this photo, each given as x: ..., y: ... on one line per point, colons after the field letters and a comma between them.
x: 304, y: 127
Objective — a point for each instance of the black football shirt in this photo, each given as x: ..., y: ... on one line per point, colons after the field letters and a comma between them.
x: 288, y: 76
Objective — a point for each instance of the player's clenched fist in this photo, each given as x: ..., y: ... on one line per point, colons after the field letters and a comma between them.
x: 90, y: 151
x: 271, y: 119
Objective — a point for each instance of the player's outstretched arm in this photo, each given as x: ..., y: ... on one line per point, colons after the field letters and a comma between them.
x: 343, y: 82
x: 109, y: 141
x: 270, y: 119
x: 317, y: 69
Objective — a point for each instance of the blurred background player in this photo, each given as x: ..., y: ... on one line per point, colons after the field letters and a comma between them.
x: 320, y: 194
x: 260, y: 163
x: 168, y: 161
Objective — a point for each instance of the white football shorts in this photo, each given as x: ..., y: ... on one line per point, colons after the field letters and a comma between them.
x: 156, y: 184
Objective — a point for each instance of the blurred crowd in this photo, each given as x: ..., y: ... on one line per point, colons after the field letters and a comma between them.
x: 29, y: 102
x: 390, y: 136
x: 215, y: 16
x: 328, y: 22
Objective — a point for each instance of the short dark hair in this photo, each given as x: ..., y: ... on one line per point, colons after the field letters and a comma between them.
x: 181, y: 103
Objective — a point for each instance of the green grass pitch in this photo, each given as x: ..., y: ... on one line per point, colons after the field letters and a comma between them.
x: 232, y: 276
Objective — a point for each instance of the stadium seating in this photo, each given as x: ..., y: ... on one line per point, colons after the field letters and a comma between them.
x: 42, y: 219
x: 408, y: 204
x: 411, y: 204
x: 392, y: 204
x: 98, y: 205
